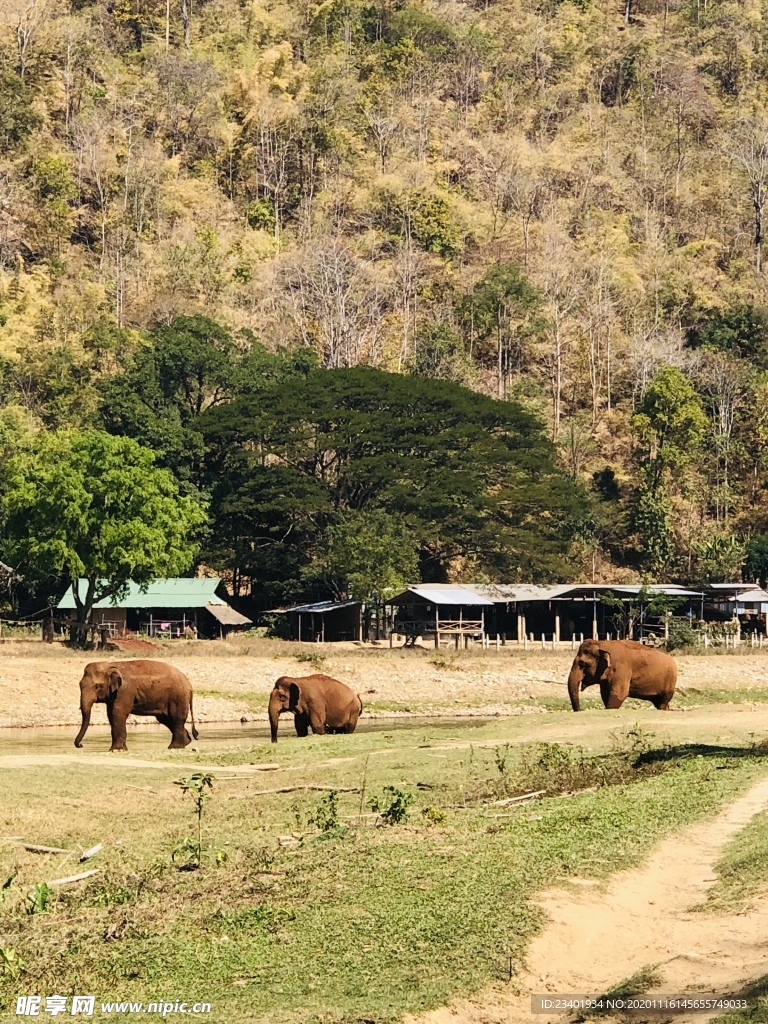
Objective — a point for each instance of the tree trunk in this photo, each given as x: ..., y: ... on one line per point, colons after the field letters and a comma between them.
x: 186, y: 17
x: 78, y: 631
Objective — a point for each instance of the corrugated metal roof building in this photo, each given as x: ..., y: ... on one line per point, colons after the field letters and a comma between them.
x: 513, y: 611
x: 164, y: 607
x: 322, y: 621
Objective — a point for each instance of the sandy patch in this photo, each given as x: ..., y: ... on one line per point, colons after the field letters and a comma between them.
x: 596, y: 938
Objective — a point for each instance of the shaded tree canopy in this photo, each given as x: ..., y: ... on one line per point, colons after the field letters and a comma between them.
x: 472, y: 477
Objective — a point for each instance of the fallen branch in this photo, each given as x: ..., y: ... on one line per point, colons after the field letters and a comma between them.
x: 516, y: 799
x: 87, y: 854
x: 44, y: 849
x: 296, y: 789
x: 263, y: 767
x: 74, y: 878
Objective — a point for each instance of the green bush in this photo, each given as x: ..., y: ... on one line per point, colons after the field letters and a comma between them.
x: 326, y: 816
x: 393, y: 805
x: 681, y: 635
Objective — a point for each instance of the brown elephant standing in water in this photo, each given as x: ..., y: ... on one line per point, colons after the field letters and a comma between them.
x: 318, y: 702
x: 140, y: 687
x: 623, y: 668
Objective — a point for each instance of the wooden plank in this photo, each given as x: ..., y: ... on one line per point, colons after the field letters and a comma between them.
x: 517, y: 799
x: 74, y: 878
x: 91, y: 852
x: 314, y: 788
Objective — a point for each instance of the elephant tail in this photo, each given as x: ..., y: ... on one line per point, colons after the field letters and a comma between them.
x: 361, y: 703
x: 192, y: 716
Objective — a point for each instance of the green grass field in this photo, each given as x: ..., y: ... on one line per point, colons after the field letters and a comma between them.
x: 310, y: 908
x: 742, y: 870
x: 685, y: 697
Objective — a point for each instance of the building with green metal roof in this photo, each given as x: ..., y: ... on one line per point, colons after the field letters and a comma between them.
x: 165, y: 607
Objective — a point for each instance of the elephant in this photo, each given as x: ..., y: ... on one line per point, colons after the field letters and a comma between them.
x: 317, y: 701
x: 623, y: 668
x: 138, y: 687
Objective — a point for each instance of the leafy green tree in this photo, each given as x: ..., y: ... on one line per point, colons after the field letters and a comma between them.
x: 719, y: 559
x: 186, y: 367
x: 109, y: 347
x: 756, y: 559
x: 501, y: 315
x: 86, y: 505
x: 424, y: 216
x: 603, y: 527
x: 670, y: 425
x: 56, y: 189
x: 651, y: 518
x: 740, y: 330
x: 18, y: 117
x: 367, y: 555
x: 266, y: 523
x: 57, y: 384
x: 189, y: 366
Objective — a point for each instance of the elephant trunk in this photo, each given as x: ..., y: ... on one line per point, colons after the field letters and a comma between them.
x: 574, y: 684
x: 85, y: 709
x: 274, y: 713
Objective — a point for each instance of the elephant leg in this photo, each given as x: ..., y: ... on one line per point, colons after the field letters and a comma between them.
x: 180, y: 738
x: 301, y: 722
x: 661, y: 701
x: 117, y: 719
x: 611, y: 699
x: 179, y: 713
x: 318, y: 723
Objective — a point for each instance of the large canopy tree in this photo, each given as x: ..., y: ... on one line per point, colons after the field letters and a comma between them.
x: 86, y: 505
x: 471, y: 477
x: 188, y: 366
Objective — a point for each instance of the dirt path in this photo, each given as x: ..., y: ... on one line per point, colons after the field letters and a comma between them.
x: 596, y: 939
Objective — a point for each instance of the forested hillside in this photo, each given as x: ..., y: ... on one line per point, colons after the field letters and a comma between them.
x: 559, y: 206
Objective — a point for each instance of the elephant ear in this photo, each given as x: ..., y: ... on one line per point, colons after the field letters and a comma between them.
x: 605, y: 655
x: 115, y: 681
x: 295, y: 690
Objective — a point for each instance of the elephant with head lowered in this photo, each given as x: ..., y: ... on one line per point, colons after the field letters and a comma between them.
x: 318, y: 702
x: 140, y: 687
x: 623, y: 668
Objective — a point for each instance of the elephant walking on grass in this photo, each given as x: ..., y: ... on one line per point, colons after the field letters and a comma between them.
x: 623, y: 668
x: 318, y: 702
x: 140, y: 687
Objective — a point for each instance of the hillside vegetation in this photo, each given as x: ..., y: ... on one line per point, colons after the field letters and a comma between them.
x: 247, y: 205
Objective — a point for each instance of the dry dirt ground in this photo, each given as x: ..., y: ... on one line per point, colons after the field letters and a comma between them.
x: 597, y: 938
x: 39, y: 683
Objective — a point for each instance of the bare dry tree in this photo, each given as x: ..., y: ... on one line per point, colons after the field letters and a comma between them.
x: 748, y: 148
x: 25, y: 18
x: 335, y: 301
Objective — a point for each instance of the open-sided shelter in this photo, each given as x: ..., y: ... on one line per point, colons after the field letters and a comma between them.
x: 322, y: 621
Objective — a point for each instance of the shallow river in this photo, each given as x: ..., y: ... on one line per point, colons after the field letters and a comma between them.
x: 146, y: 739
